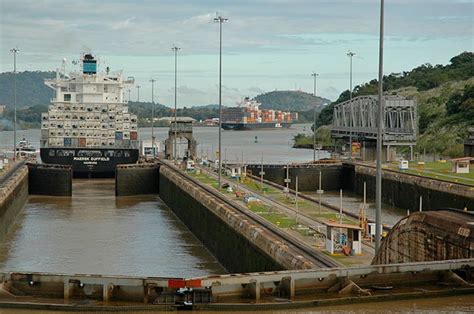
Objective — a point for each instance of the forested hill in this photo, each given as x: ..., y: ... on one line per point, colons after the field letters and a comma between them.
x: 422, y: 78
x: 445, y: 99
x: 290, y: 101
x: 31, y: 90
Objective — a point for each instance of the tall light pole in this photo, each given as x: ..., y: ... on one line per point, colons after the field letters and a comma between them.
x: 219, y: 19
x: 314, y: 75
x: 378, y: 173
x: 350, y: 54
x: 14, y: 51
x: 153, y: 115
x: 138, y: 106
x: 175, y: 49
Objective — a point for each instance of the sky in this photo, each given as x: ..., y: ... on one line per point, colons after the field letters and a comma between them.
x: 267, y: 44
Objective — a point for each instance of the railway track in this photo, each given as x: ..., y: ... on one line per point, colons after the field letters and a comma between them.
x: 318, y: 258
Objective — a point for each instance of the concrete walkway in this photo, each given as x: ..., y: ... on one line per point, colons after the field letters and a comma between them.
x: 307, y: 217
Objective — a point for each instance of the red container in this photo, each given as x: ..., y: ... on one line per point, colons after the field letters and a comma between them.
x: 133, y: 135
x: 82, y: 142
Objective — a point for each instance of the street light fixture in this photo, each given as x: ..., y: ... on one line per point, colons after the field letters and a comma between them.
x: 220, y: 19
x: 378, y: 173
x: 153, y: 115
x: 175, y: 49
x: 314, y: 75
x: 14, y: 51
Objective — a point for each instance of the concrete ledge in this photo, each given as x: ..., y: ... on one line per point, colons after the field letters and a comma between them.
x: 13, y: 196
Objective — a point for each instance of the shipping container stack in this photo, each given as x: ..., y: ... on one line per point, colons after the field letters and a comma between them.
x: 89, y: 126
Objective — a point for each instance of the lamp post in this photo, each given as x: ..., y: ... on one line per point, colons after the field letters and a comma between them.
x: 175, y: 49
x: 378, y: 173
x: 138, y: 107
x: 14, y: 51
x: 153, y: 115
x: 314, y: 75
x: 219, y: 19
x: 350, y: 54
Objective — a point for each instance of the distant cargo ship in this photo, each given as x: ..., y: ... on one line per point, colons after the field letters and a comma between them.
x: 248, y: 116
x: 88, y: 125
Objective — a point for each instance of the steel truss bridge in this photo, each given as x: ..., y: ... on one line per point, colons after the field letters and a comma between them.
x: 357, y: 119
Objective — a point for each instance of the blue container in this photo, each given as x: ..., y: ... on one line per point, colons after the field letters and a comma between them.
x: 67, y: 141
x: 119, y: 135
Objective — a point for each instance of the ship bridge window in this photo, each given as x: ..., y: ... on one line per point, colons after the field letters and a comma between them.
x: 67, y: 97
x: 52, y: 153
x: 126, y: 153
x: 89, y: 153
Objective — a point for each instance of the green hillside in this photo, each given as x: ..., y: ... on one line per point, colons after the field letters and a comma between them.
x: 290, y: 101
x: 30, y: 88
x: 445, y: 98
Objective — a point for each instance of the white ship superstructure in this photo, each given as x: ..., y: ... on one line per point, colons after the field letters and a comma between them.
x: 89, y: 120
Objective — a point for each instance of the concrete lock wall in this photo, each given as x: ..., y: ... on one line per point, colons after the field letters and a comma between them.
x: 308, y: 176
x: 54, y: 180
x: 235, y: 252
x: 404, y: 190
x: 13, y: 196
x: 137, y: 179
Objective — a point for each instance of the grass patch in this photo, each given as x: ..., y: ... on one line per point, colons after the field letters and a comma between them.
x: 438, y: 170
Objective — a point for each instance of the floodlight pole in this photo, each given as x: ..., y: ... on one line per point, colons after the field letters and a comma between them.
x: 153, y: 115
x: 175, y: 49
x: 14, y: 51
x: 350, y: 54
x: 138, y: 108
x: 314, y: 75
x: 219, y: 19
x: 378, y: 174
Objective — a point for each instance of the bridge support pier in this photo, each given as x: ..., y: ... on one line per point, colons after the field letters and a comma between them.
x: 107, y: 292
x: 68, y: 289
x: 287, y: 287
x: 254, y: 289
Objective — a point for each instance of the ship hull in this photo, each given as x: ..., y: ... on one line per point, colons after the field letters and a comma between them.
x: 253, y: 126
x: 90, y: 162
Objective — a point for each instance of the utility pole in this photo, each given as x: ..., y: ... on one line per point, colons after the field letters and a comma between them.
x: 219, y: 19
x: 314, y: 75
x: 14, y: 51
x: 378, y: 173
x: 350, y: 54
x: 153, y: 115
x: 175, y: 49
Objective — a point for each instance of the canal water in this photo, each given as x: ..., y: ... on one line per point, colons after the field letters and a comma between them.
x: 94, y: 232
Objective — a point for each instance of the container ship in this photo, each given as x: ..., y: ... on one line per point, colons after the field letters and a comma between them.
x: 88, y: 125
x: 248, y: 116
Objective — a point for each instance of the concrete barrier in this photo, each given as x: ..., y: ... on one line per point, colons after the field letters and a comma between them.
x: 250, y: 291
x: 137, y: 179
x: 54, y: 180
x: 404, y: 190
x: 13, y: 196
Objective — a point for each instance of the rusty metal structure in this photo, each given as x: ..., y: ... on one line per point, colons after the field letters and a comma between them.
x: 429, y: 236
